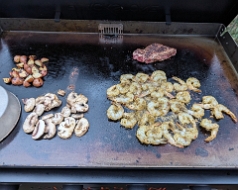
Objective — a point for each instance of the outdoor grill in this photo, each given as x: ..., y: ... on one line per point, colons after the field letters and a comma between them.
x: 95, y: 40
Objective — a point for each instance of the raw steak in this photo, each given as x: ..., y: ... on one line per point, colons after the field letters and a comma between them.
x: 154, y: 52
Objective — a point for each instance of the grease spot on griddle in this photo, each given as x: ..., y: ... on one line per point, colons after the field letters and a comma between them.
x: 158, y: 155
x: 201, y: 152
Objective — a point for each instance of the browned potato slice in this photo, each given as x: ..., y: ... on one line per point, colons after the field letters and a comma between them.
x: 16, y: 69
x: 31, y: 62
x: 26, y: 84
x: 30, y: 78
x: 44, y: 59
x: 17, y: 81
x: 17, y: 58
x: 23, y: 73
x: 7, y: 80
x: 38, y: 63
x: 37, y: 75
x: 14, y: 73
x: 35, y: 69
x: 20, y: 65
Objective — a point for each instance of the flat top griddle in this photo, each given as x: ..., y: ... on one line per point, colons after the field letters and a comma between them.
x: 107, y: 144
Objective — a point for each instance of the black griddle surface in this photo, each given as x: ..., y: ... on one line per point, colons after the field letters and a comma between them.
x: 92, y: 67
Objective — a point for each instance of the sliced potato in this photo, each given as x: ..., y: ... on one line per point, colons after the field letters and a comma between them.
x: 20, y: 65
x: 7, y: 80
x: 33, y: 57
x: 35, y: 69
x: 17, y: 58
x: 38, y: 63
x: 23, y: 73
x: 26, y: 84
x: 37, y: 75
x: 16, y: 69
x: 31, y: 62
x: 30, y: 78
x: 44, y: 59
x: 14, y: 73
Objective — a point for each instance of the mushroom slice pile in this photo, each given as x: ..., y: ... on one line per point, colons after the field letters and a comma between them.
x: 70, y: 120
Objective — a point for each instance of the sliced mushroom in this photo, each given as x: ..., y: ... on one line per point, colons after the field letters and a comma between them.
x: 50, y: 129
x: 56, y: 103
x: 61, y: 92
x: 81, y: 98
x: 71, y: 98
x: 66, y: 111
x: 17, y: 81
x: 77, y: 116
x: 73, y: 110
x: 30, y: 122
x: 39, y: 109
x: 29, y: 104
x: 81, y: 107
x: 40, y: 100
x: 81, y: 127
x: 51, y: 96
x: 48, y: 116
x: 39, y: 130
x: 66, y: 128
x: 57, y: 119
